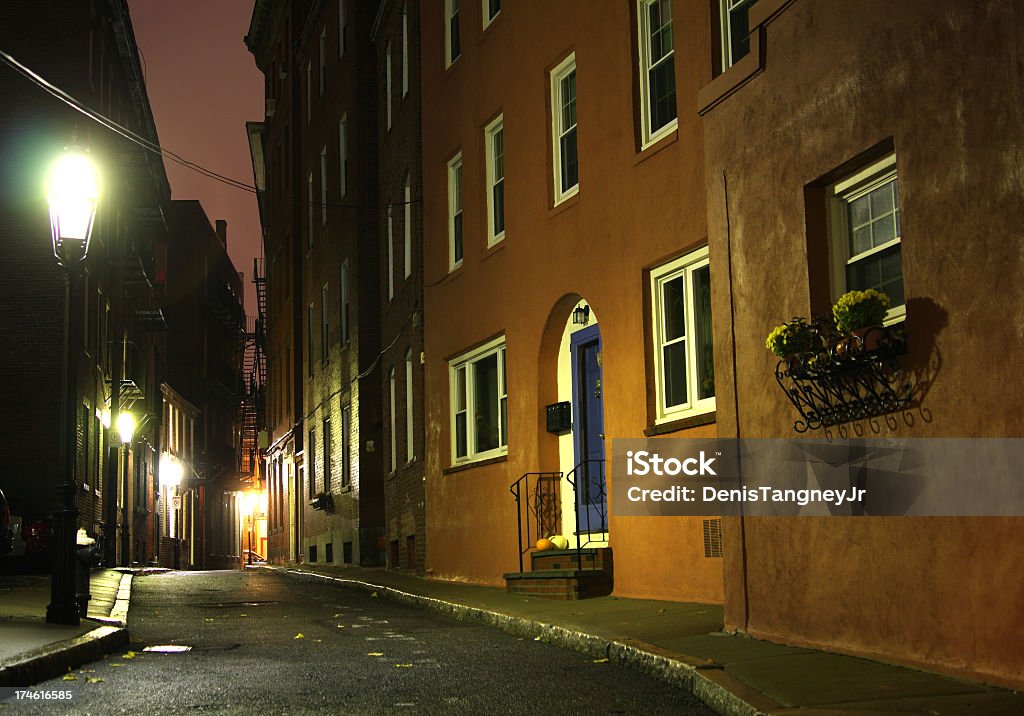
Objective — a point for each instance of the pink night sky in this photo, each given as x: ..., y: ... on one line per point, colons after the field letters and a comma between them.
x: 203, y: 86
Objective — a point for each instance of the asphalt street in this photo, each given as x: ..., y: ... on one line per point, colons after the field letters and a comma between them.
x: 265, y: 644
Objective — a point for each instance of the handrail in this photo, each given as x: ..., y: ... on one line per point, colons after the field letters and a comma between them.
x: 545, y: 502
x: 583, y: 469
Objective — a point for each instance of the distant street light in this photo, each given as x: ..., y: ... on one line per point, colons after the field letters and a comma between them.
x: 73, y: 196
x: 249, y: 501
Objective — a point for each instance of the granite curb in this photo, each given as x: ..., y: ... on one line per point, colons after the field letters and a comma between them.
x: 55, y: 659
x: 707, y: 682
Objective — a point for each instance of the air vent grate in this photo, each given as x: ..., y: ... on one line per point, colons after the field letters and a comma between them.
x: 713, y: 538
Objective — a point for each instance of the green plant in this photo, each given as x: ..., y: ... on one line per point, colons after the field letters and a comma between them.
x: 859, y: 309
x: 792, y: 337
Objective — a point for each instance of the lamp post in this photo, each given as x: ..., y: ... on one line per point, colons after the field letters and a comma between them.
x: 73, y: 196
x: 249, y: 505
x: 126, y: 430
x: 171, y: 472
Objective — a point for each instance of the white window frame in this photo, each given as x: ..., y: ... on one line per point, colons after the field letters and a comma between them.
x: 323, y: 186
x: 725, y: 8
x: 451, y: 13
x: 328, y: 457
x: 485, y: 12
x: 343, y: 155
x: 460, y: 377
x: 405, y: 49
x: 324, y: 324
x: 407, y: 226
x: 650, y: 135
x: 455, y: 211
x: 683, y: 266
x: 342, y: 19
x: 861, y: 183
x: 309, y: 337
x: 558, y: 74
x: 387, y: 85
x: 323, y: 61
x: 391, y: 255
x: 346, y: 445
x: 344, y: 291
x: 410, y: 449
x: 392, y: 422
x: 492, y: 132
x: 309, y: 200
x: 309, y: 91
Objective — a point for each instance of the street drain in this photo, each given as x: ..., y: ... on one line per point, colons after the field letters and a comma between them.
x: 168, y: 648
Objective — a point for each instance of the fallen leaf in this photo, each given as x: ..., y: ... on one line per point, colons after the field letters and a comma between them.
x: 129, y: 655
x: 341, y: 626
x: 376, y: 653
x: 117, y: 664
x: 208, y: 619
x: 374, y: 594
x: 600, y: 661
x: 336, y: 616
x: 70, y: 677
x: 243, y: 615
x: 300, y: 635
x: 317, y: 641
x: 404, y: 666
x: 536, y: 638
x: 93, y: 680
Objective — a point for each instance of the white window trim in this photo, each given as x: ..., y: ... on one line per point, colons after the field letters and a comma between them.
x: 392, y: 421
x: 344, y: 291
x: 387, y: 85
x: 451, y: 8
x: 684, y: 265
x: 455, y: 206
x: 309, y: 197
x: 724, y: 6
x: 342, y: 18
x: 343, y: 155
x: 391, y: 255
x: 309, y: 91
x: 405, y: 49
x: 840, y: 195
x: 410, y: 450
x: 407, y: 227
x: 465, y: 362
x: 485, y: 13
x: 648, y: 137
x: 323, y: 186
x: 324, y: 324
x: 322, y: 81
x: 492, y: 129
x: 557, y: 75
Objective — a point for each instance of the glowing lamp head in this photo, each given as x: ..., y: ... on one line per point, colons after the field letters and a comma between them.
x: 73, y: 194
x: 249, y: 500
x: 170, y: 471
x: 126, y: 427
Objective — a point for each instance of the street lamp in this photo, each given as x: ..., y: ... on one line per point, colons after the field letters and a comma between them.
x: 126, y: 431
x: 249, y: 508
x: 73, y: 196
x: 171, y: 473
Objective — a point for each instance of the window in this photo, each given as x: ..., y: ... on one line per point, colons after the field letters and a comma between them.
x: 309, y: 201
x: 346, y: 445
x: 311, y: 459
x: 323, y: 61
x: 495, y: 181
x: 407, y: 227
x: 323, y: 186
x: 410, y: 452
x: 866, y: 246
x: 405, y: 49
x: 491, y: 10
x: 479, y: 403
x: 341, y: 28
x: 327, y: 455
x: 657, y: 70
x: 451, y: 31
x: 563, y: 135
x: 392, y: 421
x: 343, y: 155
x: 387, y: 84
x: 323, y: 324
x: 455, y: 212
x: 735, y: 30
x: 391, y: 256
x: 683, y: 353
x: 344, y: 302
x: 309, y: 337
x: 309, y: 91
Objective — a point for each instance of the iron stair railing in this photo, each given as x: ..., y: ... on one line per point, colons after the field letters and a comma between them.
x: 543, y: 505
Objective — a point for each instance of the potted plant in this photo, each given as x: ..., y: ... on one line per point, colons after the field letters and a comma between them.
x: 860, y: 314
x: 793, y: 339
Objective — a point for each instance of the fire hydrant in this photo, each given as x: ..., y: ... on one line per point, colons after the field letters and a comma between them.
x: 83, y: 569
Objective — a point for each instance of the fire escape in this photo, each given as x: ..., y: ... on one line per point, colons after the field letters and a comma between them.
x: 252, y: 406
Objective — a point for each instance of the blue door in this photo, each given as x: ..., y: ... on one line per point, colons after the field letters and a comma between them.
x: 588, y: 430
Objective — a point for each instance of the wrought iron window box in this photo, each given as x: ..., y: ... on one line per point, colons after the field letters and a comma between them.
x: 845, y: 380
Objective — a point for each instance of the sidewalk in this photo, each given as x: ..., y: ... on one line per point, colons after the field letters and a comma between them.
x: 683, y: 643
x: 32, y: 650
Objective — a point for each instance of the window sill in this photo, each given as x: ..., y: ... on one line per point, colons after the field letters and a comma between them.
x: 476, y: 463
x: 345, y: 489
x: 681, y: 424
x: 657, y: 146
x: 567, y: 200
x: 730, y: 81
x: 493, y: 249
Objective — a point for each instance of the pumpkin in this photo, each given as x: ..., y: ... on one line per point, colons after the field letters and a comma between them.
x: 544, y: 545
x: 559, y: 541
